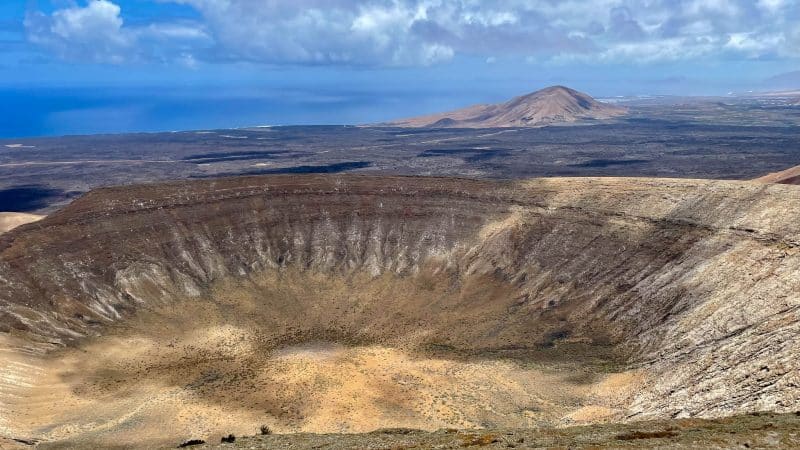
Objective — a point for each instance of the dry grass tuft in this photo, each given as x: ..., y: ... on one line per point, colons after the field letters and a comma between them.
x: 472, y: 440
x: 633, y: 435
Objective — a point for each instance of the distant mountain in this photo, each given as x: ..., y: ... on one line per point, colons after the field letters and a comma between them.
x: 556, y: 104
x: 788, y: 176
x: 788, y: 80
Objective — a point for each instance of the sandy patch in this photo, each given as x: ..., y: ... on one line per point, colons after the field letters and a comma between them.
x: 129, y: 388
x: 219, y: 379
x: 593, y: 414
x: 608, y: 397
x: 11, y: 220
x: 270, y: 351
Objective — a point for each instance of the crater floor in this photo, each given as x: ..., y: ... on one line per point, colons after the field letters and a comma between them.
x: 194, y: 367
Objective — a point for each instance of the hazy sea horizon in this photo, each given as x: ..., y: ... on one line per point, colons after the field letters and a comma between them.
x: 43, y: 112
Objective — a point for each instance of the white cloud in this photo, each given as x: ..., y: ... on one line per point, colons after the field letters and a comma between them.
x: 96, y: 32
x: 724, y: 7
x: 99, y: 16
x: 421, y: 32
x: 772, y: 5
x: 754, y: 45
x: 434, y: 53
x: 699, y: 27
x: 672, y: 49
x: 490, y: 18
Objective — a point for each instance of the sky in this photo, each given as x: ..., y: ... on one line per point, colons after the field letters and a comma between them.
x: 97, y: 66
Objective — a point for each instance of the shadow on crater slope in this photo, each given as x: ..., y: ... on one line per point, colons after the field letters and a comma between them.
x: 27, y: 197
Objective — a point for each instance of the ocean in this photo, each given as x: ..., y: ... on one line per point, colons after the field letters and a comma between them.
x: 32, y: 112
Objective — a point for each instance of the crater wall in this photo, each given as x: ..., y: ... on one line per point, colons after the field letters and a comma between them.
x: 695, y: 284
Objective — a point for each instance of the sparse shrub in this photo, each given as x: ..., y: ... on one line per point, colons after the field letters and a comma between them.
x: 265, y: 429
x: 229, y: 439
x: 192, y: 442
x: 471, y: 440
x: 397, y: 431
x: 646, y: 435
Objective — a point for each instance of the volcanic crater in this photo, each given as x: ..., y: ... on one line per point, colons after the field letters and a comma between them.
x: 153, y: 314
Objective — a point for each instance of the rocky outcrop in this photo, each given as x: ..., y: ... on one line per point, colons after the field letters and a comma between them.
x: 694, y: 282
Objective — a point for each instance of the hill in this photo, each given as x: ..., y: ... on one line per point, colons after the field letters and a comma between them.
x: 788, y: 176
x: 556, y: 104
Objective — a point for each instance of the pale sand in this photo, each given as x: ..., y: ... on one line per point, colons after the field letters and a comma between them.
x: 183, y: 373
x: 11, y: 220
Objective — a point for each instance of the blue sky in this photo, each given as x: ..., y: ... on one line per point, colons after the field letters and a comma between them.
x: 81, y: 66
